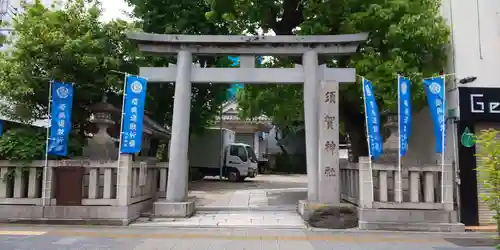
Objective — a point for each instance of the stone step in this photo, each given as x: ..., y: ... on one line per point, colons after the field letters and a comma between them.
x: 409, y: 220
x: 424, y: 227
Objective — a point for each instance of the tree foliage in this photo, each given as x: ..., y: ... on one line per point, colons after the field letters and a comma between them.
x: 489, y: 170
x: 406, y: 36
x: 22, y: 144
x: 70, y: 45
x: 182, y: 17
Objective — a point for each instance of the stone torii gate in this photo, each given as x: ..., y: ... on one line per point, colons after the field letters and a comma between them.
x: 184, y: 73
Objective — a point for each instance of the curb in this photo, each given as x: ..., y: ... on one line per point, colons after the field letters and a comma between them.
x: 357, y: 230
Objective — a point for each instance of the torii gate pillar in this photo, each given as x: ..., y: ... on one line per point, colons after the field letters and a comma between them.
x: 311, y: 118
x: 310, y: 74
x: 178, y: 171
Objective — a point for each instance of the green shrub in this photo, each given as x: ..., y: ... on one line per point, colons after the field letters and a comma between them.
x: 489, y: 170
x: 22, y: 144
x: 290, y: 163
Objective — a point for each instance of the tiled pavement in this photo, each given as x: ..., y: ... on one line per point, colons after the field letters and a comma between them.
x: 268, y: 201
x: 214, y: 194
x: 225, y: 219
x: 100, y: 238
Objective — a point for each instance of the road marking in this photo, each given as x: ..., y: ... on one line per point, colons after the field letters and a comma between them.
x: 340, y: 238
x: 67, y: 241
x: 22, y: 233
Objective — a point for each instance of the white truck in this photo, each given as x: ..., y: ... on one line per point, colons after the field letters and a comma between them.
x: 215, y: 153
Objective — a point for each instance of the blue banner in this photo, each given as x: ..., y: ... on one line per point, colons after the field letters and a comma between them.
x: 1, y: 127
x: 60, y: 120
x: 372, y: 120
x: 133, y: 115
x: 404, y: 116
x: 435, y: 90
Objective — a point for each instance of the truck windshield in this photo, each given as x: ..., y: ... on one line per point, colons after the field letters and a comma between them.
x: 251, y: 154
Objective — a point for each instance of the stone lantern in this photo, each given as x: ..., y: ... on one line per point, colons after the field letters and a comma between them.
x: 102, y: 146
x: 391, y: 139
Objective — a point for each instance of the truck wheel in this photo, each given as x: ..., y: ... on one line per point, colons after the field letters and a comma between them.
x: 233, y: 175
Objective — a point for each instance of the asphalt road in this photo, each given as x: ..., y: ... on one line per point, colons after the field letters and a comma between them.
x: 36, y: 237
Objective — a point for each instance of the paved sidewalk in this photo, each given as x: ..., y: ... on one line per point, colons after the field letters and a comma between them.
x: 36, y: 237
x: 264, y: 200
x: 268, y: 201
x: 229, y: 219
x: 265, y: 192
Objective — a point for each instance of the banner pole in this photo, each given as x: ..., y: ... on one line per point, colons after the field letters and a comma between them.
x: 368, y: 140
x: 121, y: 123
x: 47, y: 139
x: 443, y: 133
x: 221, y: 155
x: 398, y: 190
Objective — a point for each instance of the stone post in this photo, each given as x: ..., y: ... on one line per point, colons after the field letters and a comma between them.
x: 311, y: 86
x: 256, y: 144
x: 329, y: 170
x: 178, y: 167
x: 365, y: 183
x: 448, y: 187
x: 124, y: 182
x: 48, y: 186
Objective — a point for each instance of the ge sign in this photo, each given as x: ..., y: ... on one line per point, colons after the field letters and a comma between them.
x: 478, y: 105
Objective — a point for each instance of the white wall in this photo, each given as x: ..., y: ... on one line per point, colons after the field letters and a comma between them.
x: 476, y: 39
x: 474, y: 51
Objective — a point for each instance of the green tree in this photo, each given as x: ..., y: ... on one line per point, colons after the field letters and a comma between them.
x: 489, y: 170
x: 70, y: 45
x: 182, y: 17
x: 404, y: 36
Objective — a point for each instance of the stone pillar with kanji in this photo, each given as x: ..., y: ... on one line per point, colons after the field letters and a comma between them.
x: 329, y: 170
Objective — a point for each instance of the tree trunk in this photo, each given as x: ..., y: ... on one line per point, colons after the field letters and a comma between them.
x: 355, y: 128
x: 278, y: 141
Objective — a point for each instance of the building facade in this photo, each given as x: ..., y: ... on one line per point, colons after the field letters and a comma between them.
x: 474, y: 106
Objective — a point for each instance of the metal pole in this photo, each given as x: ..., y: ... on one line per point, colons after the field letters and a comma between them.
x: 456, y: 182
x: 368, y: 139
x: 398, y: 181
x: 221, y: 157
x: 46, y: 165
x: 443, y: 133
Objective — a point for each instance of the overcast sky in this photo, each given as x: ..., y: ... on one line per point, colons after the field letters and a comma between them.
x: 114, y: 9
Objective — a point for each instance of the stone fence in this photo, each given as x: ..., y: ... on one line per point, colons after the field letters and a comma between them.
x: 424, y: 205
x: 81, y: 191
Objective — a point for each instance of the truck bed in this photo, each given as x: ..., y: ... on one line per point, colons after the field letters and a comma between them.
x: 205, y: 150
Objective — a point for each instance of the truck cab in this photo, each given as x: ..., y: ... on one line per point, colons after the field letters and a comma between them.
x: 240, y: 162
